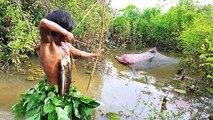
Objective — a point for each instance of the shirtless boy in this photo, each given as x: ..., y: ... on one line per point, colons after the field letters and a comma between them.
x: 55, y: 31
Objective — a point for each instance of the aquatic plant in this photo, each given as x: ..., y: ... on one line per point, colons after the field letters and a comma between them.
x: 43, y: 103
x: 113, y: 116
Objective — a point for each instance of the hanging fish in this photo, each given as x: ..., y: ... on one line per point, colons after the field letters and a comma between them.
x: 65, y: 75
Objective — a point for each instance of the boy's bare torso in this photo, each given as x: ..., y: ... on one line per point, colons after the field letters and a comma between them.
x: 50, y: 54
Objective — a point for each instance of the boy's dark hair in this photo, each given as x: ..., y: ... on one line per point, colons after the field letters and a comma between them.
x: 62, y: 18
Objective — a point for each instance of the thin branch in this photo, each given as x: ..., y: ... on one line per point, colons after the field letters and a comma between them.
x: 100, y: 42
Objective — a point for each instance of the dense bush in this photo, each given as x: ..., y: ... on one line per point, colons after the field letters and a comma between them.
x: 185, y: 28
x: 19, y: 20
x: 151, y: 27
x: 124, y: 28
x: 88, y: 28
x: 196, y: 41
x: 18, y: 32
x: 206, y: 63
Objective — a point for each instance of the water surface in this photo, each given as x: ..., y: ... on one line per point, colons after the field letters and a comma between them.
x: 115, y: 85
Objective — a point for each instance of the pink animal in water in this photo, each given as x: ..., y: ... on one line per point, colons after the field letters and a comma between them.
x: 148, y: 59
x: 129, y: 59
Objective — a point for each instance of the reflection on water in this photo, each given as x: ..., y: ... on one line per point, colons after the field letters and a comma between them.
x: 118, y: 88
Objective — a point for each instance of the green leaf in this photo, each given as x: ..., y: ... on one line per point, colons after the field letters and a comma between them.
x: 51, y: 94
x: 89, y: 101
x: 31, y: 112
x: 62, y: 114
x: 49, y: 107
x: 18, y: 109
x: 68, y: 108
x: 33, y: 101
x: 57, y: 101
x: 55, y: 88
x: 52, y: 116
x: 34, y: 117
x: 86, y: 112
x: 76, y: 104
x: 24, y: 96
x: 47, y: 88
x: 180, y: 91
x: 46, y: 100
x: 113, y: 116
x: 210, y: 90
x: 74, y: 92
x: 42, y: 97
x: 30, y: 91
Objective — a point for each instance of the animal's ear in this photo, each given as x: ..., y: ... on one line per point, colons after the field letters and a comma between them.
x: 153, y: 50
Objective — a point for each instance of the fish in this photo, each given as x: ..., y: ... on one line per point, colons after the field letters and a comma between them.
x: 64, y: 75
x: 146, y: 60
x: 128, y: 59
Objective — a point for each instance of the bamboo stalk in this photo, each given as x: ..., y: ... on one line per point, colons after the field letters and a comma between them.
x: 100, y: 42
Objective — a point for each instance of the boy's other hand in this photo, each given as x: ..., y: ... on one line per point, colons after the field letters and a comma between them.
x: 69, y: 37
x: 98, y: 52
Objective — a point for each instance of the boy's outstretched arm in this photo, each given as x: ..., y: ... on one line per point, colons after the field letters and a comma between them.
x: 77, y: 52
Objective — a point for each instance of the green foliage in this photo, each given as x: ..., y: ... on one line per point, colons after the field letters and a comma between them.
x: 145, y: 23
x: 121, y: 28
x: 34, y: 9
x: 19, y: 34
x: 155, y: 114
x: 196, y: 41
x: 167, y: 27
x: 164, y: 30
x: 42, y: 103
x: 124, y: 28
x: 87, y: 30
x: 210, y: 90
x: 194, y: 36
x: 206, y: 63
x: 19, y: 20
x: 113, y: 116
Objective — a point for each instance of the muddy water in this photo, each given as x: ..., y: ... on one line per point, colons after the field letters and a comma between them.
x: 11, y: 85
x: 132, y: 97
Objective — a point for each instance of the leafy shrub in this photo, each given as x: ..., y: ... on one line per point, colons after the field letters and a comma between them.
x: 19, y: 20
x: 151, y: 27
x: 146, y: 26
x: 121, y: 28
x: 18, y: 35
x: 42, y: 103
x: 196, y: 41
x: 124, y: 32
x: 206, y: 64
x: 194, y: 36
x: 35, y: 10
